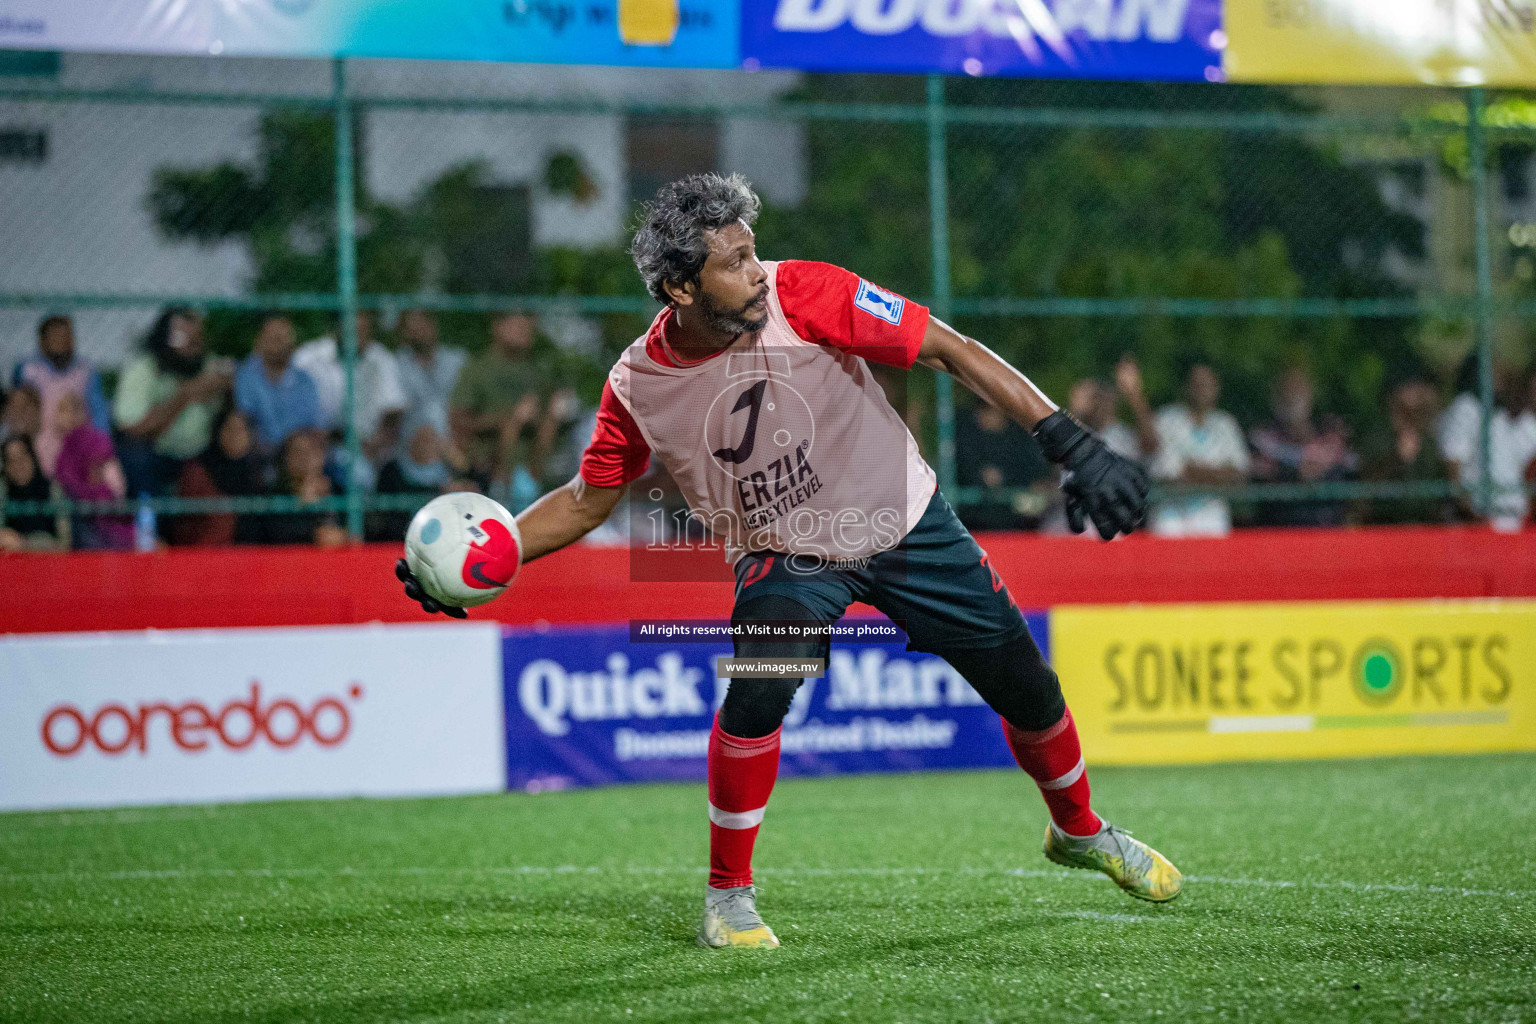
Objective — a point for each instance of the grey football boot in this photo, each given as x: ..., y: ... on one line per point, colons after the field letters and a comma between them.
x: 731, y: 919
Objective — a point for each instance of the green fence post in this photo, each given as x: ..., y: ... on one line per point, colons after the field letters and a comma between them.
x: 346, y: 287
x: 938, y: 216
x: 1477, y: 151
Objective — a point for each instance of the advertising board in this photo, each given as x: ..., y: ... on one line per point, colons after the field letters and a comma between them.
x: 586, y: 706
x: 1176, y: 684
x: 183, y: 716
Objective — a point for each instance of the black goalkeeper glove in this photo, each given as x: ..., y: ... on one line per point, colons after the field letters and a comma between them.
x: 416, y: 592
x: 1109, y: 489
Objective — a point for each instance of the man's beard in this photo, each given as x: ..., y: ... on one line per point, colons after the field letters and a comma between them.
x: 731, y: 321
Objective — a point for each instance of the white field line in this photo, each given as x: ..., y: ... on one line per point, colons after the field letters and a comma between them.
x: 535, y: 870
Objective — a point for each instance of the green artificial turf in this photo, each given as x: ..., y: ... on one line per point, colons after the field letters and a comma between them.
x: 1339, y: 891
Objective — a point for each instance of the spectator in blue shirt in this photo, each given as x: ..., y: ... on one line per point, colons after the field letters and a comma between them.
x: 278, y: 397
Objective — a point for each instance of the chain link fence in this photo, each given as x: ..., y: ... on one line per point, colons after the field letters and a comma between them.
x: 1357, y: 241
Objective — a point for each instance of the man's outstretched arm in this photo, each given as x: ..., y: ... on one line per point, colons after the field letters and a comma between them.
x: 564, y: 516
x: 984, y: 372
x: 1100, y: 485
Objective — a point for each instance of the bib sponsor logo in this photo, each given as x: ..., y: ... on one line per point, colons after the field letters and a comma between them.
x: 116, y: 728
x: 879, y: 302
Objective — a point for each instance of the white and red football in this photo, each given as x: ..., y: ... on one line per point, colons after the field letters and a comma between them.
x: 464, y: 548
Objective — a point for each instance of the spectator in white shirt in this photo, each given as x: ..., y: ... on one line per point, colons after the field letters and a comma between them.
x: 1197, y: 443
x: 428, y: 372
x: 1511, y: 441
x: 378, y: 397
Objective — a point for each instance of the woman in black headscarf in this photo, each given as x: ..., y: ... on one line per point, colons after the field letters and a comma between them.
x: 21, y: 479
x: 230, y: 468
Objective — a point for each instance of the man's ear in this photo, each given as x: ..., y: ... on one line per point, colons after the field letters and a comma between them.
x: 680, y: 294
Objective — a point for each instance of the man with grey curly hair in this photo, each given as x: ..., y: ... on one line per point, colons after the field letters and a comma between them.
x: 752, y: 386
x: 670, y: 245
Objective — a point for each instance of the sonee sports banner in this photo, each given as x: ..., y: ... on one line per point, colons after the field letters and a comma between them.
x: 1175, y: 684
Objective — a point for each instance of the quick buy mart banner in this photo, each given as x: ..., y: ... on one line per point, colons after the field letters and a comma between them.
x: 182, y: 716
x: 586, y: 705
x: 1230, y: 682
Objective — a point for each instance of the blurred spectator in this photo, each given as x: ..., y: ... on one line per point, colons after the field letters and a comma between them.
x: 230, y: 468
x: 1092, y: 403
x: 21, y: 479
x: 996, y: 454
x: 378, y: 398
x: 428, y: 371
x: 1300, y: 447
x: 23, y: 416
x: 54, y: 371
x: 499, y: 399
x: 301, y: 475
x: 167, y: 398
x: 1197, y: 443
x: 1405, y: 452
x: 278, y: 397
x: 421, y: 469
x: 1511, y: 439
x: 87, y: 469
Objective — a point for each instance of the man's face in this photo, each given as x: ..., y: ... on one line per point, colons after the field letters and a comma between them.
x: 1091, y: 404
x: 1293, y: 397
x: 57, y: 343
x: 1204, y: 388
x: 733, y: 287
x: 419, y: 329
x: 274, y: 344
x: 512, y: 334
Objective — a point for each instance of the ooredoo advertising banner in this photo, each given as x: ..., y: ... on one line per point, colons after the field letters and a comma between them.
x: 181, y: 716
x: 586, y: 706
x: 1229, y: 682
x: 1166, y: 40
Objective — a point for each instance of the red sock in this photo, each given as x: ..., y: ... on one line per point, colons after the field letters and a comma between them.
x: 1054, y: 759
x: 741, y: 776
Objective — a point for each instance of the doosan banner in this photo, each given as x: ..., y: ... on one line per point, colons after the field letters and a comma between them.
x: 586, y: 706
x: 185, y: 716
x: 1170, y: 40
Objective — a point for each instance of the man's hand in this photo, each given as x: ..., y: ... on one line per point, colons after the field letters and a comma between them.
x: 417, y: 593
x: 1109, y: 489
x: 1128, y: 377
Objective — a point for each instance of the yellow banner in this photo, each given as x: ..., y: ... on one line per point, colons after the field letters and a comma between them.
x: 1178, y: 684
x: 1434, y: 42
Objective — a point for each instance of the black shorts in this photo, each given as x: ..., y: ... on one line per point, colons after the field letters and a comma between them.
x: 936, y: 584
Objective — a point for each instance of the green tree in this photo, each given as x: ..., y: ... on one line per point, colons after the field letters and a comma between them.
x: 1117, y: 213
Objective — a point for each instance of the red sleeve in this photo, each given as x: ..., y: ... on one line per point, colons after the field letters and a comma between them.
x: 617, y: 452
x: 832, y: 306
